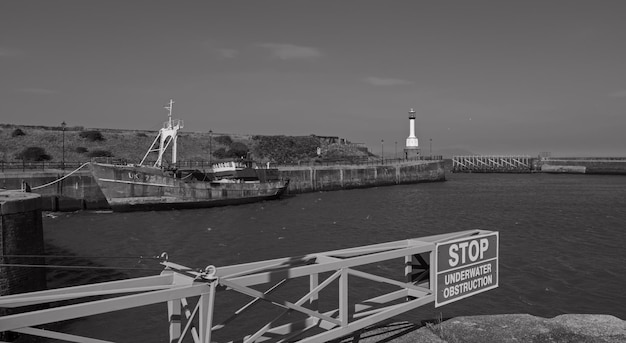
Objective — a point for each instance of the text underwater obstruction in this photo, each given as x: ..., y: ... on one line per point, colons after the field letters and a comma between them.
x: 465, y: 267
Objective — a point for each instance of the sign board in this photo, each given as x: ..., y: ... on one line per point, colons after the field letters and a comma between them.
x: 465, y: 267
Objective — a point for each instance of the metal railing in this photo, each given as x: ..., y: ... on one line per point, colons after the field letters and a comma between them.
x: 364, y: 162
x: 491, y: 164
x: 614, y: 158
x: 409, y: 283
x: 201, y: 164
x: 40, y: 165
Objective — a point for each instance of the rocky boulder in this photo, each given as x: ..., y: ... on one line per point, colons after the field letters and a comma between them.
x: 580, y: 328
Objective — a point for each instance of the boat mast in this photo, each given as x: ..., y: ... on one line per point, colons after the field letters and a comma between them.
x: 168, y: 134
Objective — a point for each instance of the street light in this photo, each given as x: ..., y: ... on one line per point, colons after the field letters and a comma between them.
x: 63, y: 125
x: 210, y: 147
x: 431, y: 147
x: 382, y: 151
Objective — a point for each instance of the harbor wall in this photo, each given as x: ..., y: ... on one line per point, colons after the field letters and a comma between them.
x: 76, y: 192
x: 326, y: 178
x: 569, y: 165
x: 583, y: 165
x: 80, y: 190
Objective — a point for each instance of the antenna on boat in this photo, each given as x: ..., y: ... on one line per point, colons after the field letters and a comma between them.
x: 168, y: 134
x: 169, y: 111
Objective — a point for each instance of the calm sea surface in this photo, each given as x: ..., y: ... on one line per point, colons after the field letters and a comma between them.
x: 562, y: 240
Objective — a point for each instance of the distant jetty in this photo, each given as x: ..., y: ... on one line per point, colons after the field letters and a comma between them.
x: 527, y: 164
x: 583, y: 165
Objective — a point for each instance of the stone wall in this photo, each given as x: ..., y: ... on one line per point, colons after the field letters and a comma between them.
x: 327, y: 178
x: 77, y: 191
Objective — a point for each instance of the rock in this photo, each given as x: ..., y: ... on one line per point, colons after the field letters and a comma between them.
x: 608, y: 328
x: 580, y: 328
x: 396, y: 332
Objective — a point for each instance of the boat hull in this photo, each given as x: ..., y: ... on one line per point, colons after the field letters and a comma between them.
x: 136, y: 188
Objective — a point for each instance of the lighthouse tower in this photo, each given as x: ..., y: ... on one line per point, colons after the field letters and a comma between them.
x: 412, y: 149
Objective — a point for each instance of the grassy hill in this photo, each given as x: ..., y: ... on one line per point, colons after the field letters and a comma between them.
x: 82, y: 145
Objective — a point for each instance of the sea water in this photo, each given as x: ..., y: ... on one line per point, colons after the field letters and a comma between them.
x: 562, y: 241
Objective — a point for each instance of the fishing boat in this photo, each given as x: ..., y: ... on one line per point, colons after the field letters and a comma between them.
x: 148, y: 186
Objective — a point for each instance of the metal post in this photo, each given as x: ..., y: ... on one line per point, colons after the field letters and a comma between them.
x: 313, y: 283
x: 343, y: 298
x: 382, y: 151
x: 431, y: 147
x: 396, y: 152
x: 207, y: 303
x: 210, y: 147
x: 63, y: 125
x: 174, y: 313
x: 408, y: 268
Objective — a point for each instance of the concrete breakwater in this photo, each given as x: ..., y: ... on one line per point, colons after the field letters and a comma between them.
x: 526, y: 164
x: 327, y: 178
x: 77, y: 192
x: 583, y: 165
x: 80, y: 190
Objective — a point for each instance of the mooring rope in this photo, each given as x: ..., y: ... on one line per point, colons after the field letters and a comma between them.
x: 161, y: 257
x: 95, y: 257
x: 73, y: 267
x: 59, y: 179
x: 182, y: 178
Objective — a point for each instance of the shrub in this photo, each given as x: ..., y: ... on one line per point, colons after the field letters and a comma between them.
x: 100, y: 153
x: 224, y: 140
x: 286, y: 148
x: 220, y: 153
x: 17, y: 132
x: 141, y: 134
x: 33, y: 153
x: 81, y: 150
x: 238, y: 150
x: 92, y: 136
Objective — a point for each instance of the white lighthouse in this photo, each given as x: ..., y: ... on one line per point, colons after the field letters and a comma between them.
x: 412, y: 144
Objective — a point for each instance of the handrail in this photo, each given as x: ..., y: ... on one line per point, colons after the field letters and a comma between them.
x: 414, y: 283
x: 202, y: 164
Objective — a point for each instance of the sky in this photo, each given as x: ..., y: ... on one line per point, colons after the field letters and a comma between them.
x: 486, y: 77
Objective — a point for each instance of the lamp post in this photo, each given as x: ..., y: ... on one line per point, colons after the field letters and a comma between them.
x: 63, y: 125
x: 210, y: 147
x: 431, y: 147
x: 382, y: 151
x: 395, y: 155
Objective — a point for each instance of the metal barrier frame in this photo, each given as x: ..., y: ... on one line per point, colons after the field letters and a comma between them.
x: 491, y: 163
x: 177, y: 283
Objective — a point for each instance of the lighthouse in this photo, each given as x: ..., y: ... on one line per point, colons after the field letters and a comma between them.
x: 412, y: 149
